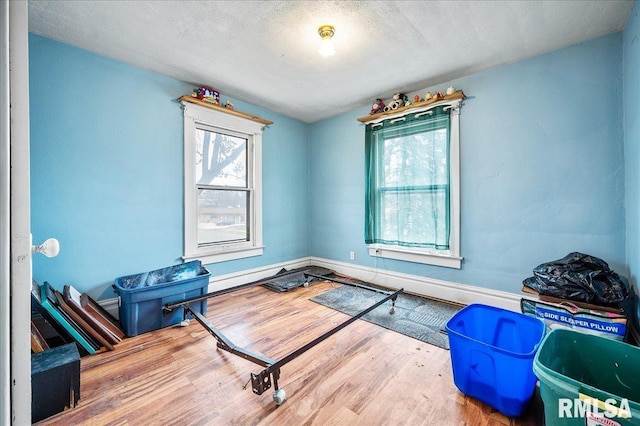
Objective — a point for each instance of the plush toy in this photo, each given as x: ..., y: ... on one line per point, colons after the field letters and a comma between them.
x: 378, y: 106
x: 398, y: 101
x: 207, y: 94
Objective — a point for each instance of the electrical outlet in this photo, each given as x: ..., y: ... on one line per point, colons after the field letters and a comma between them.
x: 352, y: 255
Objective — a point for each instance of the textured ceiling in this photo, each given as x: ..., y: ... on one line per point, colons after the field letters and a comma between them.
x: 266, y: 52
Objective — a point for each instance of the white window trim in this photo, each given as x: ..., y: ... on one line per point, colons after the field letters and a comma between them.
x: 448, y: 258
x: 196, y: 114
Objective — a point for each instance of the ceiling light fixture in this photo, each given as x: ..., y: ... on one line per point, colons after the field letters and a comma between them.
x: 326, y: 47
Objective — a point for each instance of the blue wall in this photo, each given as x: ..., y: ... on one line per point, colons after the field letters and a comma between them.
x: 542, y: 169
x: 107, y: 172
x: 631, y: 99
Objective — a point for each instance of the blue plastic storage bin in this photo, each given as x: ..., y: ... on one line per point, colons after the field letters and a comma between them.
x: 142, y: 296
x: 492, y: 352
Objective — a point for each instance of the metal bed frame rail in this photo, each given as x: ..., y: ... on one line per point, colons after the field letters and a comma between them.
x: 269, y: 376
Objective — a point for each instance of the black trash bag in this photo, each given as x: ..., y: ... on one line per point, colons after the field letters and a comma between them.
x: 579, y: 277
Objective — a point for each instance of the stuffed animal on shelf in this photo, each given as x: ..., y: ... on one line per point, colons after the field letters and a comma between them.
x: 398, y: 101
x: 207, y: 94
x: 378, y: 106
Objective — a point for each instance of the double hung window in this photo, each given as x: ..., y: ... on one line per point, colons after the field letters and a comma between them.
x: 222, y: 163
x: 412, y: 186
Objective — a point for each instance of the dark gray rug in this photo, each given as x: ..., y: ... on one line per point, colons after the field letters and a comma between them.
x: 414, y: 316
x: 288, y: 280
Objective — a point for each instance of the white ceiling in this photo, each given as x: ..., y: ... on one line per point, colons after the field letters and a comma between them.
x: 265, y: 52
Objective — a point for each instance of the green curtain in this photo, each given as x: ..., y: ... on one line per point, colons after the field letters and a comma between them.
x: 407, y: 180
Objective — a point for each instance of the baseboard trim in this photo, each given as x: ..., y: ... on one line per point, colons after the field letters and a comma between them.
x: 424, y: 286
x: 235, y: 279
x: 222, y: 282
x: 430, y: 287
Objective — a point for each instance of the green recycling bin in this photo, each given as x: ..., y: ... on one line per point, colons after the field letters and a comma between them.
x: 588, y: 380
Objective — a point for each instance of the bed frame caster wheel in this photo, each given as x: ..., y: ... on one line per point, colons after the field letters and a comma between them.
x: 392, y: 310
x: 279, y: 396
x: 306, y: 284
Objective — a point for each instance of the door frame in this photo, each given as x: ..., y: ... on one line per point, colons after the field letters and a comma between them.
x: 15, y: 245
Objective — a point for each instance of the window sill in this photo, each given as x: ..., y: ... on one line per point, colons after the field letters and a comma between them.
x: 407, y: 255
x: 207, y: 257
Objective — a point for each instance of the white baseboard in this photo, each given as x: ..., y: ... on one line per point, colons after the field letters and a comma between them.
x: 235, y: 279
x: 222, y: 282
x: 424, y: 286
x: 429, y: 287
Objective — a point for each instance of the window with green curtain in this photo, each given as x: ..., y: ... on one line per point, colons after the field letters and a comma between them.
x: 408, y: 202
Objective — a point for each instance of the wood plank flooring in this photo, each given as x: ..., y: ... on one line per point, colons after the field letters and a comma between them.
x: 363, y: 375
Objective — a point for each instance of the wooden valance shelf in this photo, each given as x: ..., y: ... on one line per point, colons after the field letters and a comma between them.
x: 197, y: 101
x: 455, y: 95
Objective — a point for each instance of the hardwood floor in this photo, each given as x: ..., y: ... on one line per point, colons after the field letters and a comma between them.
x: 364, y: 374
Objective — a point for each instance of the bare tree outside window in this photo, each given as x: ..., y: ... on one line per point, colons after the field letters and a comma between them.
x: 223, y: 190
